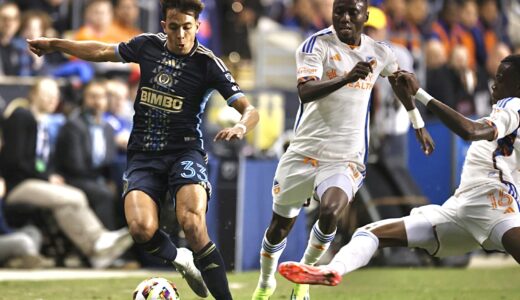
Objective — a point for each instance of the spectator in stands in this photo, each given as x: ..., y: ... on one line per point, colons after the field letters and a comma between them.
x: 450, y: 33
x: 58, y: 10
x: 486, y: 78
x: 451, y: 77
x: 12, y: 53
x: 493, y: 28
x: 34, y: 24
x: 469, y: 24
x: 238, y: 17
x: 85, y: 151
x: 417, y: 15
x: 119, y: 116
x: 401, y: 31
x: 98, y: 23
x: 126, y: 16
x: 24, y: 159
x: 324, y: 8
x: 302, y: 17
x: 512, y: 9
x: 20, y: 249
x: 120, y: 111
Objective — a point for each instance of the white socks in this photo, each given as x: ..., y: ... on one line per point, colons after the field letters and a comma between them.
x: 317, y: 246
x: 356, y: 254
x: 269, y: 256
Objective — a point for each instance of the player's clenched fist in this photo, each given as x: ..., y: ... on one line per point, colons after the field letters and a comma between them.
x: 360, y: 71
x: 407, y: 81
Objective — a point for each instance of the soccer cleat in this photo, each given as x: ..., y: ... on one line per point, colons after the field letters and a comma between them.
x: 185, y: 265
x: 300, y: 292
x: 262, y: 293
x: 305, y: 274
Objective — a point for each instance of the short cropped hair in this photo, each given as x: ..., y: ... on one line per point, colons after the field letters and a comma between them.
x: 513, y: 60
x: 194, y: 7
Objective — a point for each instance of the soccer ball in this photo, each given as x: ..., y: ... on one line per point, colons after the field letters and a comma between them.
x: 156, y: 288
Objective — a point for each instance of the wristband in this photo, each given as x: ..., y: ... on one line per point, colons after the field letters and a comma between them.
x: 242, y: 126
x: 423, y: 96
x: 415, y: 118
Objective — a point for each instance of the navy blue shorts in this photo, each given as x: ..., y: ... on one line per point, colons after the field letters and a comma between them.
x: 159, y: 173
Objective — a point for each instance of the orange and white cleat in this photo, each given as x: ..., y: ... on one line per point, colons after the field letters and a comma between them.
x: 305, y: 274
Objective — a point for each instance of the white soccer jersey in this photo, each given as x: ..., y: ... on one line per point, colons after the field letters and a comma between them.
x: 335, y: 128
x: 495, y: 162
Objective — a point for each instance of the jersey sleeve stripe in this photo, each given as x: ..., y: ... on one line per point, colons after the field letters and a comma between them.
x: 118, y: 55
x: 309, y: 44
x: 234, y: 98
x: 218, y: 61
x: 504, y: 102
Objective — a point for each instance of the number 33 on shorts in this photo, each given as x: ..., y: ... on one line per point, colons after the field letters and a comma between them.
x: 192, y: 169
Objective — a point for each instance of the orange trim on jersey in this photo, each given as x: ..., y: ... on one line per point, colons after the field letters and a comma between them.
x: 312, y: 161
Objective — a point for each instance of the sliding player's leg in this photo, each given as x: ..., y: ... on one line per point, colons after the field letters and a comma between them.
x: 511, y: 242
x: 411, y: 231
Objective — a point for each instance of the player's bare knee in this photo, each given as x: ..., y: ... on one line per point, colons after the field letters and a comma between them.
x: 192, y: 224
x: 141, y: 230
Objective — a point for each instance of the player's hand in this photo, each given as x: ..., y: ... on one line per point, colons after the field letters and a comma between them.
x: 40, y: 46
x: 360, y: 71
x: 407, y: 82
x: 231, y: 133
x: 426, y: 141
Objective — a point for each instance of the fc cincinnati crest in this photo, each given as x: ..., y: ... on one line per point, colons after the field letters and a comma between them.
x: 164, y: 79
x: 372, y: 60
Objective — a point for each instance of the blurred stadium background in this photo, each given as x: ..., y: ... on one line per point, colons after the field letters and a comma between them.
x: 454, y: 47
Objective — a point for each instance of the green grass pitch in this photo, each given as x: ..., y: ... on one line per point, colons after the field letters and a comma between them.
x: 371, y: 283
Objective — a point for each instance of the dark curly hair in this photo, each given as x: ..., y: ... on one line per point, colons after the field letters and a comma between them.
x: 192, y: 7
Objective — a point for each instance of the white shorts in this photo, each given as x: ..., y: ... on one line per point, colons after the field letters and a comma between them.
x: 297, y: 177
x: 477, y: 218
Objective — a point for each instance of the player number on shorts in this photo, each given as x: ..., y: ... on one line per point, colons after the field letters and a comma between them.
x: 190, y: 171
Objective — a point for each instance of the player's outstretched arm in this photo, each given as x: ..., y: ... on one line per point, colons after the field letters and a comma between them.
x: 313, y: 90
x: 247, y: 123
x: 466, y: 128
x: 86, y: 50
x: 422, y: 135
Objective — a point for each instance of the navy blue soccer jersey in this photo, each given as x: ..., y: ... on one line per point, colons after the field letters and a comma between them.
x: 173, y: 92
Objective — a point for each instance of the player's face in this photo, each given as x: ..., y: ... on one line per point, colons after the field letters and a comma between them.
x: 348, y: 18
x: 181, y: 29
x: 506, y: 85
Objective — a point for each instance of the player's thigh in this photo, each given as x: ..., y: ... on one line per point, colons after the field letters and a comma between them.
x: 188, y: 182
x: 293, y: 184
x: 342, y: 175
x: 488, y: 214
x: 141, y: 212
x: 506, y: 236
x: 511, y: 242
x: 451, y: 236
